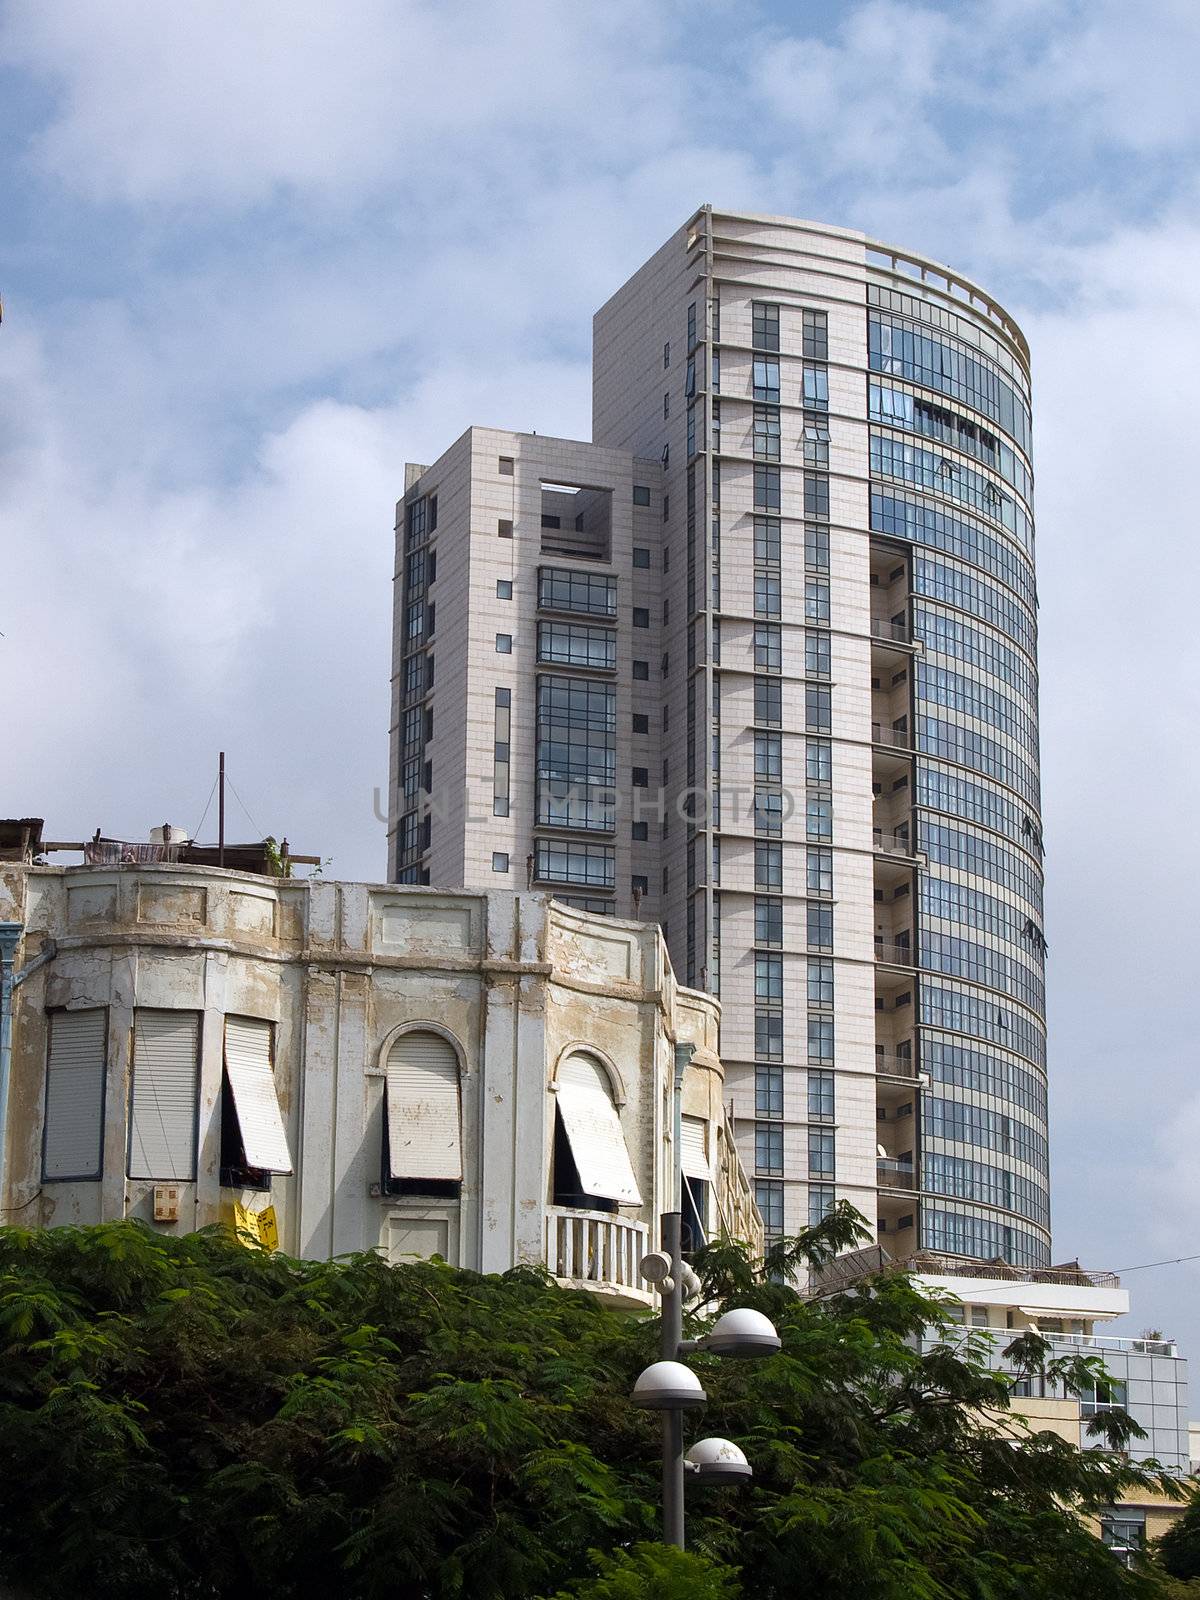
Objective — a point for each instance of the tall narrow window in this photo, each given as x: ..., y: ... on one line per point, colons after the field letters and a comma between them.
x: 253, y: 1138
x: 73, y: 1129
x: 591, y: 1157
x: 765, y: 325
x: 163, y: 1100
x: 422, y: 1148
x: 501, y: 753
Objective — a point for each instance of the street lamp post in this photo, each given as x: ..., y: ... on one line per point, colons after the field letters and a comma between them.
x: 673, y: 1388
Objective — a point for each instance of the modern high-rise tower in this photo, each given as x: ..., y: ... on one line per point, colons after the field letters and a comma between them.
x: 760, y: 663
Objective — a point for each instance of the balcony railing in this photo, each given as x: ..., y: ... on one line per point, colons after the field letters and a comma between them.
x: 935, y: 1264
x: 1110, y: 1341
x: 597, y: 1249
x: 892, y: 1066
x: 892, y: 844
x: 900, y: 738
x: 894, y: 953
x: 881, y: 628
x: 895, y: 1174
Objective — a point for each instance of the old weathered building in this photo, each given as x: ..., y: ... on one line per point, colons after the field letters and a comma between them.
x: 488, y: 1077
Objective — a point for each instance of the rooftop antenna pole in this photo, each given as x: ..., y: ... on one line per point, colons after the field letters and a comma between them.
x: 221, y: 810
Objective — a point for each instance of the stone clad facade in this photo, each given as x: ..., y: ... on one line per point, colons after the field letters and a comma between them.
x: 343, y: 981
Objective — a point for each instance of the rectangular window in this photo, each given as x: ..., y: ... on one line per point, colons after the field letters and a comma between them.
x: 504, y: 527
x: 504, y: 644
x: 504, y: 589
x: 766, y: 541
x: 254, y: 1140
x: 768, y: 1197
x: 768, y: 980
x: 768, y: 813
x: 768, y: 920
x: 818, y: 707
x: 575, y: 753
x: 765, y: 325
x: 163, y: 1099
x: 821, y: 1201
x: 767, y: 594
x: 818, y: 657
x: 563, y: 589
x: 820, y: 871
x: 816, y: 495
x: 818, y: 762
x: 505, y: 465
x: 768, y: 1035
x: 768, y: 1149
x: 768, y: 866
x: 816, y: 388
x: 499, y: 861
x: 691, y: 326
x: 820, y: 1095
x: 666, y: 404
x: 641, y: 495
x: 564, y: 861
x: 766, y: 380
x: 641, y: 557
x: 766, y: 488
x: 768, y: 757
x: 766, y: 433
x: 768, y: 647
x: 815, y: 338
x: 818, y: 817
x: 641, y: 617
x: 666, y: 355
x: 816, y: 600
x: 73, y: 1124
x: 501, y: 752
x: 640, y: 778
x: 816, y: 441
x: 768, y: 702
x: 819, y: 918
x: 816, y: 547
x: 821, y: 1154
x: 575, y: 644
x: 768, y: 1091
x: 820, y: 1038
x: 641, y: 671
x: 820, y: 983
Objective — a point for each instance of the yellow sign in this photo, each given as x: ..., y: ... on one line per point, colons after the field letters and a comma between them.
x: 256, y: 1227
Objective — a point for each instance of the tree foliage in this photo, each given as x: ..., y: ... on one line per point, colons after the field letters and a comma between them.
x: 1179, y: 1548
x: 184, y: 1418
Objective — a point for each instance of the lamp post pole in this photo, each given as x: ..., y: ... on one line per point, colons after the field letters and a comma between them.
x: 670, y: 1339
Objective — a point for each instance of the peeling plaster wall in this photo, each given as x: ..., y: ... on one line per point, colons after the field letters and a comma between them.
x: 339, y: 969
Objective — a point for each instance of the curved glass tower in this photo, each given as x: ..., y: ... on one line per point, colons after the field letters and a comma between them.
x: 850, y: 709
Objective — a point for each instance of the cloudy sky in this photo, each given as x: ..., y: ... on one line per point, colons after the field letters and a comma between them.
x: 255, y: 254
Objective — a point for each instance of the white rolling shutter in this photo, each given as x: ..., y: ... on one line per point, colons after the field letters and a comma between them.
x: 162, y: 1111
x: 594, y: 1132
x: 248, y: 1068
x: 423, y: 1118
x: 73, y: 1131
x: 692, y: 1149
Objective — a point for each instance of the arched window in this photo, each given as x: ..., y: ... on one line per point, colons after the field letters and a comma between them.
x: 592, y: 1169
x: 422, y: 1130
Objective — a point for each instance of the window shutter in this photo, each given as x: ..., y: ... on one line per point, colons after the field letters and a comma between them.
x: 594, y: 1132
x: 162, y: 1112
x: 73, y: 1132
x: 424, y: 1120
x: 248, y: 1067
x: 693, y: 1151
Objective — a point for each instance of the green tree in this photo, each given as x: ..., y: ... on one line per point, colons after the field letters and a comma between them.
x: 1178, y: 1550
x: 184, y: 1418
